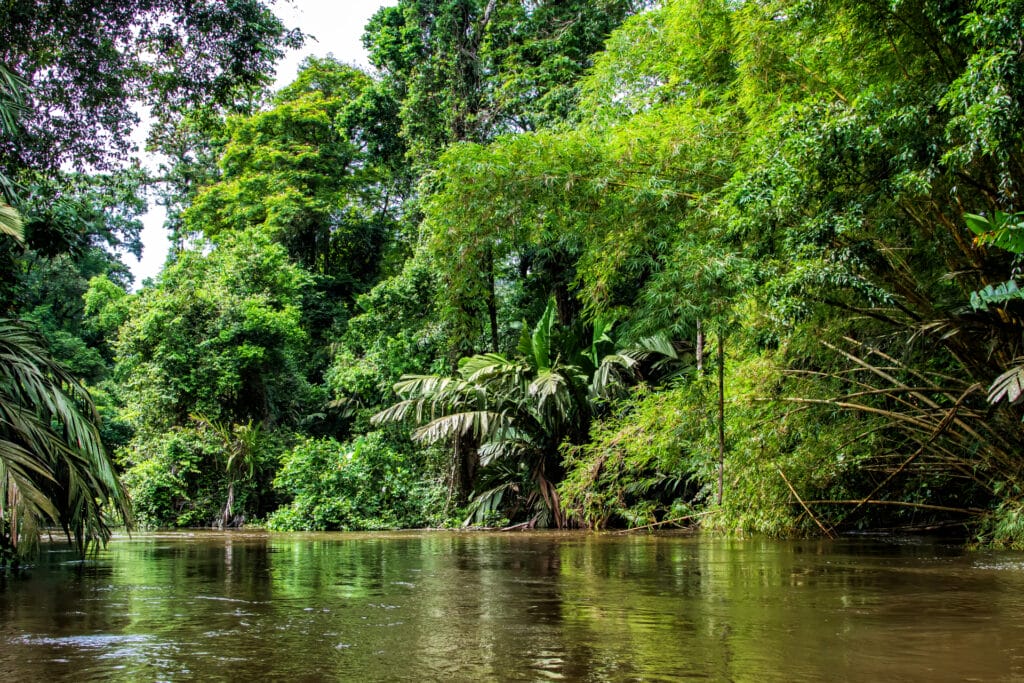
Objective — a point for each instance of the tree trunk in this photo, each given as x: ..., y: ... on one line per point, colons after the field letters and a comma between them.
x: 492, y: 300
x: 466, y: 462
x: 699, y: 349
x: 225, y: 517
x: 721, y: 415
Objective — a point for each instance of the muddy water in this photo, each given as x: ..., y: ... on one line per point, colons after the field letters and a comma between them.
x: 470, y: 607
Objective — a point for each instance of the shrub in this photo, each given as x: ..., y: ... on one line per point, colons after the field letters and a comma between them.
x: 362, y: 484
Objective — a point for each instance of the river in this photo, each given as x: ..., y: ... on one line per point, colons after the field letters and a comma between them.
x: 450, y: 606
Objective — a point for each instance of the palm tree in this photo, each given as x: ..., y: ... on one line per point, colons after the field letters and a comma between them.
x: 53, y: 468
x: 519, y: 411
x: 241, y: 443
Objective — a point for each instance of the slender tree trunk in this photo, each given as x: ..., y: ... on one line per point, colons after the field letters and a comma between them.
x: 492, y: 301
x: 721, y: 415
x: 226, y: 514
x: 464, y: 471
x: 699, y: 351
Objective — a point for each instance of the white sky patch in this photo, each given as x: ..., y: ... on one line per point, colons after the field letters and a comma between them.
x: 334, y: 27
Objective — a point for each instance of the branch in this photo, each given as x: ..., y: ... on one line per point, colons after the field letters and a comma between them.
x: 899, y: 503
x: 827, y: 532
x: 942, y: 426
x: 666, y: 521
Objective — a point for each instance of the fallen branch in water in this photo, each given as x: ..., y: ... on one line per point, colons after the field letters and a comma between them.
x: 664, y: 521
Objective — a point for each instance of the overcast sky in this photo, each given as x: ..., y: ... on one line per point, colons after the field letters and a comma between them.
x: 335, y: 27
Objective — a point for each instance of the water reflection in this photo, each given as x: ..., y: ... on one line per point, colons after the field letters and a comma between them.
x: 432, y: 606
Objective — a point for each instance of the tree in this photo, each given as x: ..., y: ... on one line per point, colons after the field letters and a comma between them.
x: 219, y: 336
x: 53, y: 468
x: 473, y: 69
x: 88, y: 63
x: 468, y: 71
x: 241, y: 444
x: 316, y: 172
x: 296, y: 170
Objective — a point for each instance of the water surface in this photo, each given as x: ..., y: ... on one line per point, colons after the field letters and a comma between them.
x: 539, y: 606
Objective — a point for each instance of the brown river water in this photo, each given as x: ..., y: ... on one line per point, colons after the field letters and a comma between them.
x: 450, y: 606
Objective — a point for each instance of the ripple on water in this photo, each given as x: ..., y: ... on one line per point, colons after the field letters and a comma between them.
x: 1001, y: 565
x: 124, y: 649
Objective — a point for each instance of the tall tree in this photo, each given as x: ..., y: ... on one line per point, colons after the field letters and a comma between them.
x: 88, y: 64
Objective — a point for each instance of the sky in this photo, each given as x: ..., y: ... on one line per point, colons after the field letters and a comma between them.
x: 334, y: 27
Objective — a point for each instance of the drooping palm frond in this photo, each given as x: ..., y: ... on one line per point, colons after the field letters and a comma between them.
x: 10, y: 223
x: 481, y: 424
x: 494, y: 370
x: 488, y: 502
x: 512, y: 444
x: 12, y: 100
x: 552, y: 390
x: 12, y: 107
x: 427, y: 397
x: 624, y: 366
x: 54, y: 468
x: 1008, y: 386
x: 611, y: 373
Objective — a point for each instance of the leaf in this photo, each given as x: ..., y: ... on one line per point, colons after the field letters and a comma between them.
x: 996, y: 294
x: 482, y: 424
x: 541, y: 339
x: 979, y: 225
x: 10, y: 223
x: 1009, y: 385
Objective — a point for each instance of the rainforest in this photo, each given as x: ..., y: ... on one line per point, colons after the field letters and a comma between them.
x: 749, y: 266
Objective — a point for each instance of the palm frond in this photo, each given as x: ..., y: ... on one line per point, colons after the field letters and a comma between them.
x: 482, y: 424
x: 10, y: 223
x: 487, y: 502
x: 516, y: 446
x: 611, y: 372
x: 12, y: 100
x: 55, y: 469
x: 658, y: 344
x: 484, y: 368
x: 1009, y: 386
x: 535, y: 344
x: 552, y: 390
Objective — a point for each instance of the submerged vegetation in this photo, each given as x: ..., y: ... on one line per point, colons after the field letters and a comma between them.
x: 618, y: 263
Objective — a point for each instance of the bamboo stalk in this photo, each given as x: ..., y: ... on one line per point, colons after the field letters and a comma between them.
x: 942, y: 426
x: 900, y: 503
x: 827, y: 532
x: 966, y: 428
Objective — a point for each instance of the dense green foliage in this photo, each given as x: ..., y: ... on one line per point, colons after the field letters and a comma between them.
x: 802, y: 217
x: 71, y: 75
x: 364, y: 484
